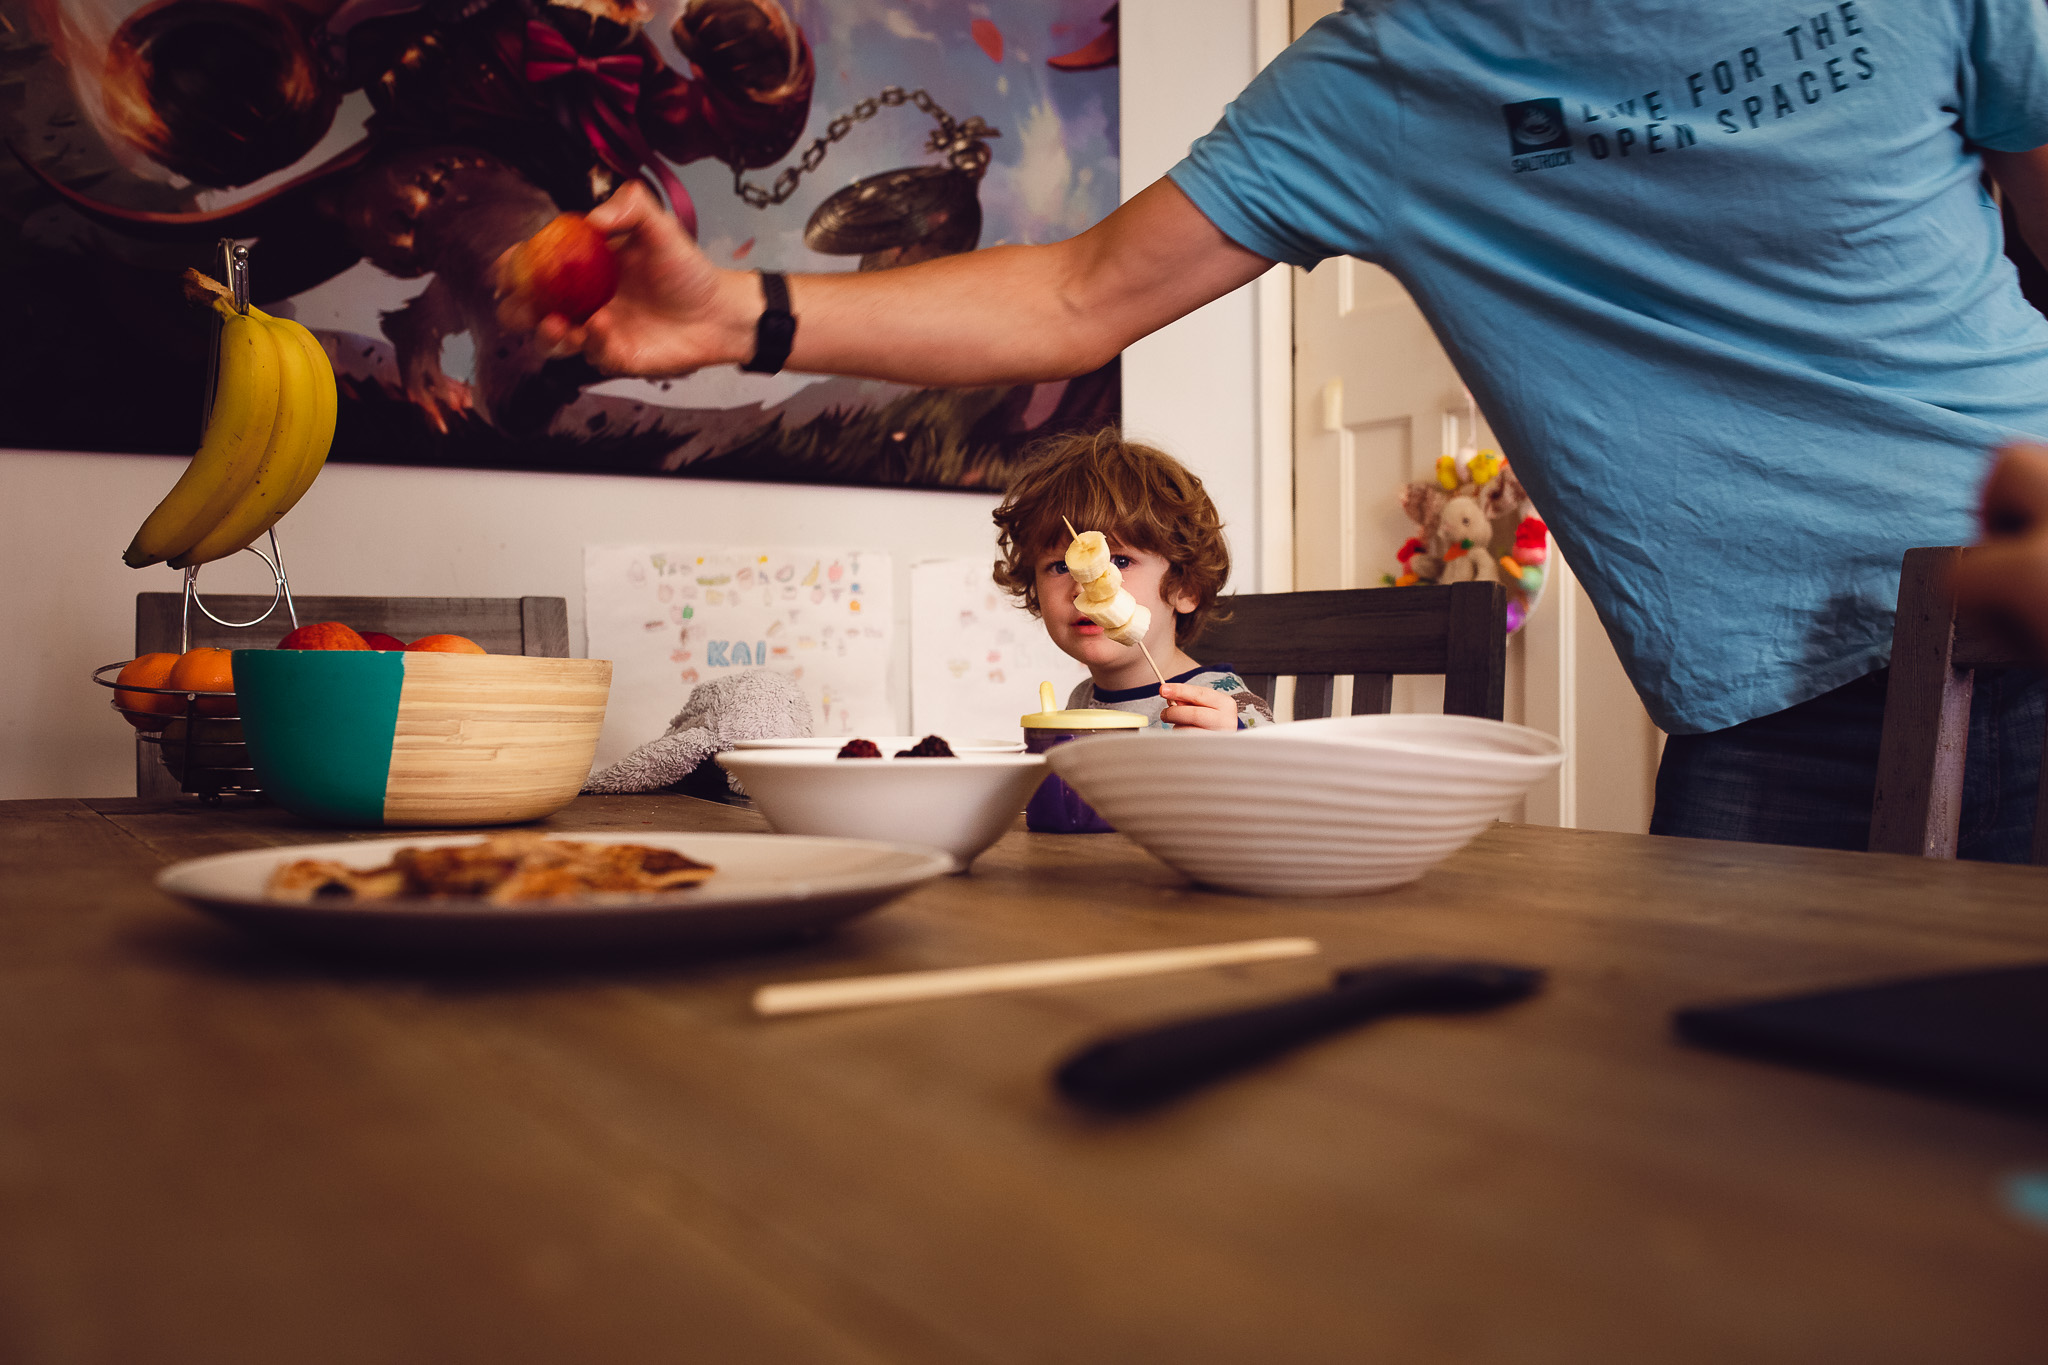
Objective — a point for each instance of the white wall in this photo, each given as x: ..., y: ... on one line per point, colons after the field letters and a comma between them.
x: 68, y: 602
x: 1190, y: 388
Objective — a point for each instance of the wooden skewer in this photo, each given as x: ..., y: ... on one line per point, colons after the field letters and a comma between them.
x: 806, y: 996
x: 1071, y: 532
x: 1155, y: 667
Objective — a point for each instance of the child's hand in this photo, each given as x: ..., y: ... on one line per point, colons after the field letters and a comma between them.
x: 1197, y: 708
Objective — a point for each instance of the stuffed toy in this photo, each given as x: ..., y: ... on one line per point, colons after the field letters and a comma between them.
x: 1457, y: 513
x: 1457, y: 519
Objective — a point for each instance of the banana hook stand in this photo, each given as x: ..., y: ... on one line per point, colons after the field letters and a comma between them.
x: 234, y: 269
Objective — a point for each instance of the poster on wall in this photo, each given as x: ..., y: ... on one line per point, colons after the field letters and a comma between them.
x: 672, y: 616
x: 378, y: 156
x: 976, y: 656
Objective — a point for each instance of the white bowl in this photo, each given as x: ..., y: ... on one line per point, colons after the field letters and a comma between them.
x: 888, y: 744
x: 1311, y: 808
x: 961, y: 805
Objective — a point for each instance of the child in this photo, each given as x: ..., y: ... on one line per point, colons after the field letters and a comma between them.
x: 1166, y: 540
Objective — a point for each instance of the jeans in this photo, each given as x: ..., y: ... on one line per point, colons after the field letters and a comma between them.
x: 1807, y: 775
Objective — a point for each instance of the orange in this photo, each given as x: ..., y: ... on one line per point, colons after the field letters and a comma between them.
x: 323, y: 635
x: 149, y: 670
x: 207, y: 670
x: 447, y: 644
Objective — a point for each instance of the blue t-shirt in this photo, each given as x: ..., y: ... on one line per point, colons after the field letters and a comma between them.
x: 1722, y: 276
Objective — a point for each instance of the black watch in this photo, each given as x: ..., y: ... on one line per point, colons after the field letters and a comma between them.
x: 776, y: 331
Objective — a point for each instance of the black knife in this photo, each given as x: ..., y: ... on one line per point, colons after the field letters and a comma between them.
x: 1145, y: 1067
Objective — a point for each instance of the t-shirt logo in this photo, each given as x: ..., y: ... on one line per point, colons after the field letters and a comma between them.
x: 1536, y: 126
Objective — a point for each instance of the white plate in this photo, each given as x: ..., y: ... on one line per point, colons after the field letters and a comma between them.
x: 888, y: 744
x: 767, y: 887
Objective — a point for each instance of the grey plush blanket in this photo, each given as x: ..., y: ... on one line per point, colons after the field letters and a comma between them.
x: 757, y: 705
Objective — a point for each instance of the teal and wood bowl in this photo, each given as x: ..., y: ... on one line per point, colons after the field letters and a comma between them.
x: 375, y: 737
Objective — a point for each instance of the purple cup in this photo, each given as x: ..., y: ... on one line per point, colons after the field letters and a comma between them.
x: 1056, y: 808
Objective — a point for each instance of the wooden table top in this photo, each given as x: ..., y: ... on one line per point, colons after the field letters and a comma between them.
x: 214, y: 1150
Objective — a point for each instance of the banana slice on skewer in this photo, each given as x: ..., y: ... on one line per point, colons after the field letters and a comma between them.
x: 1088, y: 559
x: 1104, y: 599
x: 1133, y: 631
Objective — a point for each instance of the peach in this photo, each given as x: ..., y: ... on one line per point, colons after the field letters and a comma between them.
x: 377, y: 639
x: 566, y: 268
x: 447, y: 644
x: 323, y: 635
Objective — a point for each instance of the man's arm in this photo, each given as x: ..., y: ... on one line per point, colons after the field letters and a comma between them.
x: 1006, y: 315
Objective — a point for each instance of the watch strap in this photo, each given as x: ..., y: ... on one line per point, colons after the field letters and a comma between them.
x: 775, y: 332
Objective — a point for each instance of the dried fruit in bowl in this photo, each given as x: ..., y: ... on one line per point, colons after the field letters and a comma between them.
x: 931, y: 746
x: 860, y: 748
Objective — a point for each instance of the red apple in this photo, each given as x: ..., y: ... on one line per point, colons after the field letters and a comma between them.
x: 447, y: 644
x: 323, y: 635
x: 377, y: 639
x: 565, y: 268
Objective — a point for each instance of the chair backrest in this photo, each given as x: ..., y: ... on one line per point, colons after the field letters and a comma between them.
x: 1456, y: 629
x: 1935, y: 655
x: 502, y: 625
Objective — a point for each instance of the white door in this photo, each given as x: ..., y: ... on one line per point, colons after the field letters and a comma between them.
x: 1376, y: 401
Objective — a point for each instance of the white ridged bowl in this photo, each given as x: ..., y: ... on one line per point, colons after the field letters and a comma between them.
x: 1312, y: 808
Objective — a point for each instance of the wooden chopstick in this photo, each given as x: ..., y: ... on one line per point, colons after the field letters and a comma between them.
x: 850, y: 992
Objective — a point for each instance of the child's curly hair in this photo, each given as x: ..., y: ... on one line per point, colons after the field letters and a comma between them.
x: 1135, y: 495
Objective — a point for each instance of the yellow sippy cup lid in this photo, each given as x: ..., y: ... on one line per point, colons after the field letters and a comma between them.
x: 1081, y: 718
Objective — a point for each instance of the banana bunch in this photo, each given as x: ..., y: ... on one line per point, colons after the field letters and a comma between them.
x: 1104, y: 599
x: 266, y: 438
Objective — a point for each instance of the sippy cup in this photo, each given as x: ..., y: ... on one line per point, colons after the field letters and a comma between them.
x: 1055, y: 807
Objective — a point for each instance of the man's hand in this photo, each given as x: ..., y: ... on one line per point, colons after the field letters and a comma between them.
x: 674, y: 312
x: 2006, y: 574
x: 1190, y: 707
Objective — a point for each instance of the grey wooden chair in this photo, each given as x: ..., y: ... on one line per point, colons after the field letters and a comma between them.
x: 1936, y: 652
x: 1458, y: 630
x: 502, y: 625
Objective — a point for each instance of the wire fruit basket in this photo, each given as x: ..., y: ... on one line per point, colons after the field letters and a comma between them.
x: 198, y: 733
